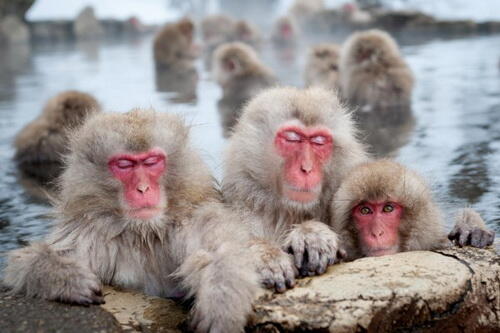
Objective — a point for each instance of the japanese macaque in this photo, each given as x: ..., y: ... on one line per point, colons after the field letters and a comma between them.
x: 354, y: 15
x: 383, y: 208
x: 285, y: 32
x: 286, y: 157
x: 322, y: 68
x: 173, y: 46
x: 241, y: 75
x: 41, y: 144
x: 373, y: 75
x: 138, y: 210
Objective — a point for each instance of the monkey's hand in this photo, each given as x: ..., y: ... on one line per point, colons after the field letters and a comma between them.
x: 275, y: 267
x: 314, y: 247
x: 470, y: 229
x: 40, y: 271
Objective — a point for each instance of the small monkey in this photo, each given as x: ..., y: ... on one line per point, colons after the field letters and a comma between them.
x: 373, y: 75
x: 173, y: 46
x: 322, y: 68
x: 285, y: 32
x: 41, y: 144
x: 383, y: 208
x: 241, y: 75
x: 138, y: 210
x: 288, y: 153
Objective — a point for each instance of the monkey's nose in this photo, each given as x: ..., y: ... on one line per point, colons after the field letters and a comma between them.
x: 143, y: 188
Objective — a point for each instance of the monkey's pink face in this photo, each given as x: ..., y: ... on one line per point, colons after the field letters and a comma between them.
x: 378, y: 227
x: 140, y: 176
x: 305, y: 150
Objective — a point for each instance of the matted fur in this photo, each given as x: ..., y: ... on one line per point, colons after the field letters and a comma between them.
x: 94, y: 242
x: 373, y: 73
x: 422, y: 226
x: 41, y: 144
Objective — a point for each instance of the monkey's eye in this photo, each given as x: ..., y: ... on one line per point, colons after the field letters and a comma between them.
x: 150, y: 161
x: 365, y: 210
x: 318, y: 140
x: 124, y: 164
x: 292, y: 136
x: 388, y: 208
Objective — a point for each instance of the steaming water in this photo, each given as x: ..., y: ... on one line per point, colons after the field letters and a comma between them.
x: 455, y: 142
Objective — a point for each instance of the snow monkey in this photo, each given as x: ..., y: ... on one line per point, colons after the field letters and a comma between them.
x: 322, y: 68
x: 373, y: 75
x: 138, y: 210
x: 383, y: 208
x: 288, y: 153
x: 41, y: 144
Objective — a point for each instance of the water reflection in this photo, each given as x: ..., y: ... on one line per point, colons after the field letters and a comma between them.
x: 182, y: 83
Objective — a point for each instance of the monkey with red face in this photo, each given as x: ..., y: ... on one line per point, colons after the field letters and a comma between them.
x: 285, y: 159
x: 383, y: 208
x: 138, y: 210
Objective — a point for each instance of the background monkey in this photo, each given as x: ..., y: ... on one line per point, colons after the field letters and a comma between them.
x: 373, y: 75
x: 288, y: 153
x: 41, y: 144
x: 173, y: 46
x: 138, y: 210
x: 322, y: 68
x: 241, y: 75
x: 384, y: 208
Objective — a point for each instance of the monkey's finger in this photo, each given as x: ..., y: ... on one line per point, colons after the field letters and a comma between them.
x: 298, y: 254
x: 490, y: 238
x: 477, y: 239
x: 464, y: 238
x: 313, y: 263
x: 323, y: 264
x: 280, y: 285
x: 453, y: 235
x: 341, y: 253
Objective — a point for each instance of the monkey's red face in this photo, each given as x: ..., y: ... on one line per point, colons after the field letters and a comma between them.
x: 140, y: 176
x: 305, y: 150
x: 378, y: 227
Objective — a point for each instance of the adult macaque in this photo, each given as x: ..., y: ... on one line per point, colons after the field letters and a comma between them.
x: 322, y: 68
x: 173, y: 46
x: 138, y: 210
x: 41, y: 144
x: 285, y: 32
x: 286, y: 157
x: 383, y: 208
x: 373, y: 75
x: 354, y: 15
x: 241, y: 75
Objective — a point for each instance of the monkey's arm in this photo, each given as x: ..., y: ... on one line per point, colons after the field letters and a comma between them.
x: 39, y: 270
x: 470, y: 229
x: 314, y: 247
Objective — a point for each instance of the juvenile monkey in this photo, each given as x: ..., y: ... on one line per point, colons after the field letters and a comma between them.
x: 41, y: 144
x: 286, y: 157
x: 173, y: 46
x: 383, y: 208
x: 241, y: 75
x: 322, y: 68
x: 138, y: 210
x: 373, y: 75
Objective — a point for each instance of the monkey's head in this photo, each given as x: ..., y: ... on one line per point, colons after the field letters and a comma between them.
x: 289, y: 148
x: 69, y: 109
x: 368, y: 48
x: 325, y: 59
x: 173, y: 45
x: 135, y: 166
x: 246, y: 32
x: 381, y: 207
x: 233, y: 59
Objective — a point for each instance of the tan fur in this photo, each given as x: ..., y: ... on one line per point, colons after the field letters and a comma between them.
x: 322, y: 68
x: 277, y: 34
x: 41, y: 144
x: 172, y: 46
x: 373, y: 75
x: 249, y: 77
x: 422, y: 226
x: 252, y: 182
x: 302, y: 9
x: 193, y: 248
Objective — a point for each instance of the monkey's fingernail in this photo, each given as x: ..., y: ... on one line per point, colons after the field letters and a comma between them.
x: 290, y: 283
x: 280, y: 287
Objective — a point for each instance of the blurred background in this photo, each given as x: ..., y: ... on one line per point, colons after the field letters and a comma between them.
x: 104, y: 48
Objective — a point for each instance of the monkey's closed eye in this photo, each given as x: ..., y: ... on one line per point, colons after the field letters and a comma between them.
x: 388, y: 208
x: 124, y: 164
x: 319, y: 140
x: 365, y: 210
x: 151, y: 160
x: 292, y: 136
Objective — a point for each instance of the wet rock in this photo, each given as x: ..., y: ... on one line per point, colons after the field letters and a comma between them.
x: 86, y: 25
x: 449, y: 290
x: 20, y: 314
x: 13, y: 30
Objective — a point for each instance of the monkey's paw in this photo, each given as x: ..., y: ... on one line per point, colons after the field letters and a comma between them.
x: 275, y: 267
x: 471, y: 230
x: 314, y: 247
x: 80, y: 286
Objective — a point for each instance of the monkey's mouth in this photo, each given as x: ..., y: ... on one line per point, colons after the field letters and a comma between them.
x: 384, y: 251
x: 302, y: 194
x: 145, y: 213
